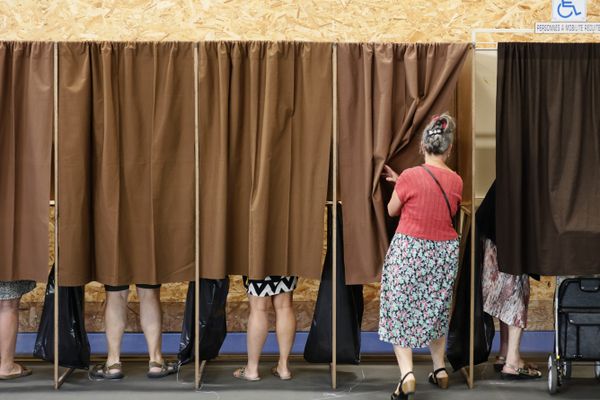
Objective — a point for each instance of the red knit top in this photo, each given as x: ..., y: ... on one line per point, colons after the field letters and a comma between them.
x: 423, y: 212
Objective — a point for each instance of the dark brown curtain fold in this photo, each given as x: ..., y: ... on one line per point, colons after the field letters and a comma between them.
x: 548, y: 158
x: 387, y: 94
x: 265, y: 130
x: 26, y: 115
x: 126, y: 162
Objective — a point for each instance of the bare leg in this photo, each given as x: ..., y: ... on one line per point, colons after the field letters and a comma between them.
x: 503, y: 340
x: 257, y: 332
x: 151, y: 321
x: 513, y: 355
x: 115, y: 319
x: 9, y: 321
x: 286, y: 329
x: 437, y: 348
x: 405, y: 362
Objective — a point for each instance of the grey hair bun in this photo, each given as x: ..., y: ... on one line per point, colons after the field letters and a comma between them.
x: 439, y: 134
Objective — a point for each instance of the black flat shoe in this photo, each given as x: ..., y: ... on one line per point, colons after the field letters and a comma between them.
x: 499, y: 363
x: 405, y: 390
x: 442, y: 382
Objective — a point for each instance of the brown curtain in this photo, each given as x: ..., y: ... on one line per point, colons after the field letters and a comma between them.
x: 548, y: 158
x: 126, y: 162
x: 265, y: 132
x: 387, y: 94
x: 26, y: 110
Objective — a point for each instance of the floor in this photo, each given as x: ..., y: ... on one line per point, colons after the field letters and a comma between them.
x: 368, y: 381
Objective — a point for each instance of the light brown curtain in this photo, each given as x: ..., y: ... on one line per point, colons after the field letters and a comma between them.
x: 26, y: 115
x: 265, y: 129
x: 387, y: 94
x: 126, y: 163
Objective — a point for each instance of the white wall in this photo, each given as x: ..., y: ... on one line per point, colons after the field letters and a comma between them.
x: 485, y: 65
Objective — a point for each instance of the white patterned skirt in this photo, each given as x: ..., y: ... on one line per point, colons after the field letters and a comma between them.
x: 270, y: 286
x: 505, y: 296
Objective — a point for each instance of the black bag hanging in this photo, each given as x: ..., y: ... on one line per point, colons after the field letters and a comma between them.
x: 73, y: 344
x: 458, y: 335
x: 213, y: 323
x: 349, y: 309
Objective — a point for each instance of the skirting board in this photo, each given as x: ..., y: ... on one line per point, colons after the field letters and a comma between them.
x: 134, y: 344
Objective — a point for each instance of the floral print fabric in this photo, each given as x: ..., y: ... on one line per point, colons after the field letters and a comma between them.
x: 505, y: 296
x: 416, y: 290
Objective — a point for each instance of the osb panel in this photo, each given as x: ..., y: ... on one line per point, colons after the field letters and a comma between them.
x: 312, y: 20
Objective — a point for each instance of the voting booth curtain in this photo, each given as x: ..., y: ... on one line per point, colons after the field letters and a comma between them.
x: 387, y: 95
x: 265, y: 132
x: 126, y: 159
x: 26, y: 116
x: 548, y: 158
x: 126, y: 163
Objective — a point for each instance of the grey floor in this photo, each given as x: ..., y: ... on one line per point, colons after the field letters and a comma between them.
x: 367, y: 381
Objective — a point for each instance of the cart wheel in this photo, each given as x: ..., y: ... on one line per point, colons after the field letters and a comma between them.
x: 567, y: 369
x: 597, y: 369
x: 552, y: 375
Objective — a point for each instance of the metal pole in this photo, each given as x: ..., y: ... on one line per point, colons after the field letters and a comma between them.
x: 334, y: 227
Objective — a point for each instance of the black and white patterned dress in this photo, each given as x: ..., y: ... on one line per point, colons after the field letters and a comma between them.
x: 270, y: 286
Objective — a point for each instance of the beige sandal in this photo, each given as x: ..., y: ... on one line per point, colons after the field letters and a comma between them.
x: 240, y: 373
x: 278, y: 375
x: 21, y: 374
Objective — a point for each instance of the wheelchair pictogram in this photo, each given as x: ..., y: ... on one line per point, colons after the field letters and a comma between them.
x: 566, y: 9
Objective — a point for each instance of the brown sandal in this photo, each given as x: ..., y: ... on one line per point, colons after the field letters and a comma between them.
x: 442, y: 382
x: 102, y: 372
x: 21, y: 374
x: 278, y: 375
x: 166, y: 369
x: 405, y: 389
x: 524, y: 373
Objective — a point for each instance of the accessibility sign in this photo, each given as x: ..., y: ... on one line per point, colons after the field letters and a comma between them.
x: 569, y: 10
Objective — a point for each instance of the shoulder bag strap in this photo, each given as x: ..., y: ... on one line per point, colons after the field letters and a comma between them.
x: 443, y: 192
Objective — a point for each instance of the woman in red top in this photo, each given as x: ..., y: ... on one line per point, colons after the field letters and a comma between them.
x: 422, y: 260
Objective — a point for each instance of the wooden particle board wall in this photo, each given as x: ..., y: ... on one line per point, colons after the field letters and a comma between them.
x: 312, y: 20
x: 302, y: 20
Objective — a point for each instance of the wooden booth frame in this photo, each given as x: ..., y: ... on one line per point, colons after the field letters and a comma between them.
x: 481, y: 46
x: 465, y: 106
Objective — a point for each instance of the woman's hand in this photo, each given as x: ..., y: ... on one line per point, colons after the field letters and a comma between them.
x: 389, y: 174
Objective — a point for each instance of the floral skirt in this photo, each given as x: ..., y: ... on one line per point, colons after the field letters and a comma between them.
x: 416, y: 290
x: 505, y: 296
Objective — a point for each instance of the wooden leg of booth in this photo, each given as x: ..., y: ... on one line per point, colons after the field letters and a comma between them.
x: 334, y: 225
x: 467, y: 374
x: 65, y: 375
x: 57, y: 382
x: 200, y: 374
x: 198, y: 368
